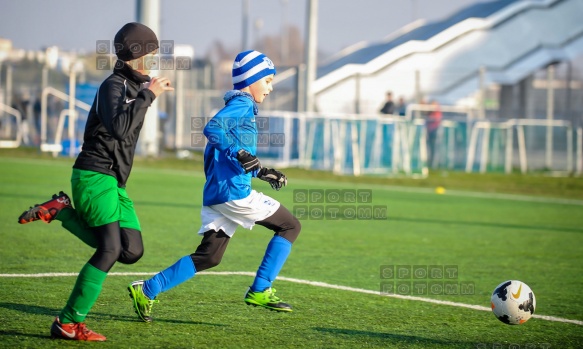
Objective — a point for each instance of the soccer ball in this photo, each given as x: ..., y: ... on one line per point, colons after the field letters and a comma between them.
x: 513, y: 302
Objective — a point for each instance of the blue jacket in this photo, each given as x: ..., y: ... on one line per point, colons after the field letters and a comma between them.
x: 231, y: 129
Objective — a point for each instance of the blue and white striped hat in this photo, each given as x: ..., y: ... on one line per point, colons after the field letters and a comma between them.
x: 250, y: 66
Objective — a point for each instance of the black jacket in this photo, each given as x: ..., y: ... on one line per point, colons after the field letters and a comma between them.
x: 114, y: 123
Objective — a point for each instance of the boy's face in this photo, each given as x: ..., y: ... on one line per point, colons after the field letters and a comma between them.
x: 261, y: 88
x: 145, y: 64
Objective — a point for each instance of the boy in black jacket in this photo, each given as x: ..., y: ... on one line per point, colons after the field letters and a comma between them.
x: 104, y: 215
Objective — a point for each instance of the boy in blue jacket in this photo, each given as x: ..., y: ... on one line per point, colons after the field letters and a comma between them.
x: 228, y: 200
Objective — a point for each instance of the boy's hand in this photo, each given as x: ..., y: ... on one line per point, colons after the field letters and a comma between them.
x: 277, y: 179
x: 248, y: 161
x: 159, y: 85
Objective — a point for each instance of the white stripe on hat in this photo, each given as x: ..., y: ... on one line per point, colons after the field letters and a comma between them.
x: 249, y: 73
x: 246, y: 59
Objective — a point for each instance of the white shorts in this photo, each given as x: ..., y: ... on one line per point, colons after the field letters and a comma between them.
x: 244, y: 212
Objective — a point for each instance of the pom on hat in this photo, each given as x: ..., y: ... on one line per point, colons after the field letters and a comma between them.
x: 250, y: 66
x: 134, y: 40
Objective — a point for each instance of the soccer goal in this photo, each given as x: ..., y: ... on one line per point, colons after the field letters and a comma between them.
x: 528, y: 144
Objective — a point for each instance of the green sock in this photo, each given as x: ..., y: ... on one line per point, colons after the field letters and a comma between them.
x: 71, y: 221
x: 84, y: 294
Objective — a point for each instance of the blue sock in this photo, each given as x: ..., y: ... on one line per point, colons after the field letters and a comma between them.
x: 170, y: 277
x: 275, y: 256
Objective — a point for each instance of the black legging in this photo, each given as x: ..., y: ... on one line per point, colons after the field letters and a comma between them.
x: 116, y: 244
x: 214, y: 243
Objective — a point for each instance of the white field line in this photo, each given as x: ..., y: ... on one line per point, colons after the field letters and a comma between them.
x: 311, y: 283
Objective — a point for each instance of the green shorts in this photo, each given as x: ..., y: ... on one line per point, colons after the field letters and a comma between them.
x: 99, y: 201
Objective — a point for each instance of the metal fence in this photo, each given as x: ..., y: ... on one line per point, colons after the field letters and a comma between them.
x: 352, y: 144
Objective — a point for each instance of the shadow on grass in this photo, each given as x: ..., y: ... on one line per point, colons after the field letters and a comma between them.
x: 22, y: 334
x: 397, y: 338
x: 168, y: 204
x: 36, y: 199
x: 484, y: 224
x: 38, y: 310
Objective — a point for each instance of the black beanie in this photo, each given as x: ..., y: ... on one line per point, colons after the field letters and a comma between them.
x: 134, y: 40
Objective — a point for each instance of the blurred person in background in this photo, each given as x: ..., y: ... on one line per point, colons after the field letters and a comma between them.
x: 402, y: 106
x: 21, y: 102
x: 104, y: 216
x: 36, y: 116
x: 389, y: 106
x: 434, y: 117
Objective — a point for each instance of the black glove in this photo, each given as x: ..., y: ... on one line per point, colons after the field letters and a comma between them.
x: 274, y: 177
x: 248, y: 161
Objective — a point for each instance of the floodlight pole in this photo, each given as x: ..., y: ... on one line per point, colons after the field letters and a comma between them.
x: 72, y: 115
x: 482, y: 92
x: 9, y: 93
x: 178, y: 138
x: 148, y: 13
x: 245, y: 28
x: 311, y: 53
x: 284, y: 33
x: 550, y: 116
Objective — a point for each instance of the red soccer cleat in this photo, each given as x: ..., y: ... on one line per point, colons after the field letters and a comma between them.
x: 74, y: 331
x: 46, y: 211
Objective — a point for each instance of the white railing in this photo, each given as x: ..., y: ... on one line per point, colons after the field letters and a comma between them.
x: 56, y: 147
x: 342, y: 133
x: 509, y: 126
x: 15, y: 143
x: 359, y: 144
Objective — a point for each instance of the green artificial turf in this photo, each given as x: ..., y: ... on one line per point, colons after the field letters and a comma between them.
x: 485, y: 238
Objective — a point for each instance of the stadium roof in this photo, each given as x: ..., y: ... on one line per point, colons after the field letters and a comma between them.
x: 422, y: 33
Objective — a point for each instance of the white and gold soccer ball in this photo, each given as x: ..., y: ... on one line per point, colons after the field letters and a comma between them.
x: 513, y: 302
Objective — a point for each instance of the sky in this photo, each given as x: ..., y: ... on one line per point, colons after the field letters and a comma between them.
x: 78, y: 24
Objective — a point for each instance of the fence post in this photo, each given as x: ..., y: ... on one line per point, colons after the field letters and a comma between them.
x: 550, y: 116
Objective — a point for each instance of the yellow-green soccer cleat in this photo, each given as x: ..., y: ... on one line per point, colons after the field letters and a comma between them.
x: 142, y: 304
x: 266, y: 299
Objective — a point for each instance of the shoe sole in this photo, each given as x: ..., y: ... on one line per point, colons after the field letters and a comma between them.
x: 281, y: 310
x: 27, y: 217
x: 133, y: 297
x: 55, y: 337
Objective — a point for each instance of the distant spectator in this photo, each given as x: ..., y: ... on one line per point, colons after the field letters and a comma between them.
x: 36, y: 112
x: 20, y: 102
x: 402, y: 106
x: 36, y: 117
x: 420, y: 112
x: 389, y: 106
x: 433, y: 123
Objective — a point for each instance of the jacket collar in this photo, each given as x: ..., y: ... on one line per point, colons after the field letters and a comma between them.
x: 234, y: 93
x: 126, y: 71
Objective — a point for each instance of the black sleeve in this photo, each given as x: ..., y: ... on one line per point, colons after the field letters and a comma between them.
x: 384, y: 109
x: 118, y: 114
